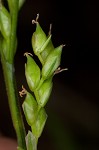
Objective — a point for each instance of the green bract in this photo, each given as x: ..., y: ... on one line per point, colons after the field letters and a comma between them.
x: 5, y: 22
x: 32, y: 72
x: 31, y: 141
x: 39, y: 123
x: 39, y: 40
x: 47, y: 50
x: 44, y: 92
x: 30, y: 108
x: 52, y: 62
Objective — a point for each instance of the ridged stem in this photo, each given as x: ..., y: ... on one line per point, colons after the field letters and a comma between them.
x: 15, y: 110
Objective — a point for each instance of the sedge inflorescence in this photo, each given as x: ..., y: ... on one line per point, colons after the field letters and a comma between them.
x: 39, y: 80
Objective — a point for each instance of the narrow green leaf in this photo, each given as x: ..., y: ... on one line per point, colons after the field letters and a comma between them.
x: 5, y: 22
x: 13, y: 4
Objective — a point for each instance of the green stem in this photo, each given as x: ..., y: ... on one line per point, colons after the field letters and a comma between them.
x: 9, y: 76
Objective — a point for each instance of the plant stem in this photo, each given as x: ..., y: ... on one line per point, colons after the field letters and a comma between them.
x: 9, y: 76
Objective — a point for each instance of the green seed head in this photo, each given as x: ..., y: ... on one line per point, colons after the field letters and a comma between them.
x: 30, y: 108
x: 32, y: 73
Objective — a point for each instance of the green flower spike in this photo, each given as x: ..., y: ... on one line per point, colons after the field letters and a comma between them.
x: 52, y: 62
x: 32, y: 72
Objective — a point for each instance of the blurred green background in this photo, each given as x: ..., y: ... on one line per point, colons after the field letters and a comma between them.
x: 73, y: 107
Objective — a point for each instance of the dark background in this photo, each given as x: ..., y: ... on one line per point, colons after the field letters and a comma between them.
x: 73, y: 108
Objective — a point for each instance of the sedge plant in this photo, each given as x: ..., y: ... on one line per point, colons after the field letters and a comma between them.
x: 39, y: 79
